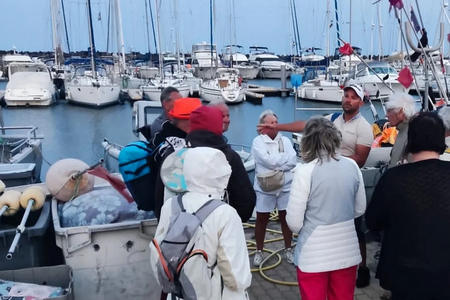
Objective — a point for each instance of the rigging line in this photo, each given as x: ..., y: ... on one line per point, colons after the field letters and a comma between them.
x: 65, y: 25
x: 293, y: 26
x: 420, y: 15
x: 153, y: 26
x: 296, y: 25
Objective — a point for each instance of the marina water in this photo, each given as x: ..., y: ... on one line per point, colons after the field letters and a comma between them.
x: 72, y: 131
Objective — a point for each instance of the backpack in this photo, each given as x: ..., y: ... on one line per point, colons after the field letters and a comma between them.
x: 136, y: 162
x: 179, y: 268
x: 334, y: 116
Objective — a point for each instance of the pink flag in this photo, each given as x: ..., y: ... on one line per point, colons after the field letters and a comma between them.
x: 405, y: 77
x: 346, y: 49
x: 396, y: 3
x: 115, y: 182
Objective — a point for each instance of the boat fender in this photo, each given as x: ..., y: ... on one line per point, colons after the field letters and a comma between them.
x: 61, y: 183
x: 33, y: 193
x: 2, y: 187
x: 11, y: 199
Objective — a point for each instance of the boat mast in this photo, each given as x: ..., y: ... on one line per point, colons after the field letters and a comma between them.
x: 146, y: 27
x: 120, y: 42
x: 177, y: 45
x: 91, y: 40
x: 65, y: 25
x: 337, y: 23
x: 158, y: 9
x: 328, y: 29
x: 211, y: 28
x: 55, y: 31
x: 380, y: 26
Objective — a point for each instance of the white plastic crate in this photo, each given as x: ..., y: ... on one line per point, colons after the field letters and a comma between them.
x: 109, y: 261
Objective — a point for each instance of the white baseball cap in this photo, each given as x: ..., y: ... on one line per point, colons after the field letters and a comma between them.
x: 357, y: 88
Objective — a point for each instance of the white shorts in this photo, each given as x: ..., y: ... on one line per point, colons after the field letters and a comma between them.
x: 266, y: 203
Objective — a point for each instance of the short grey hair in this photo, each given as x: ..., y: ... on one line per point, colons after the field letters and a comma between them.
x: 444, y: 113
x: 402, y: 101
x: 321, y: 139
x: 264, y: 114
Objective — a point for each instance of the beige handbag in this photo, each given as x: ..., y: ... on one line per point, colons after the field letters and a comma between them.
x: 272, y: 180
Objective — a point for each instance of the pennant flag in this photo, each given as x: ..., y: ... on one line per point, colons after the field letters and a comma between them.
x: 448, y: 37
x: 414, y: 20
x: 115, y: 182
x: 405, y: 77
x: 346, y: 49
x: 396, y: 3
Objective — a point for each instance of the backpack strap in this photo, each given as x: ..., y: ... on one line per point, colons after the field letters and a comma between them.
x: 334, y: 116
x: 206, y: 209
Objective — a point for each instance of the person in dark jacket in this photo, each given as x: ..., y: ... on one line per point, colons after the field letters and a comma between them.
x: 171, y: 138
x: 206, y: 131
x: 411, y: 204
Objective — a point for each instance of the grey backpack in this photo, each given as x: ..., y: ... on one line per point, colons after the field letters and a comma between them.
x: 180, y: 269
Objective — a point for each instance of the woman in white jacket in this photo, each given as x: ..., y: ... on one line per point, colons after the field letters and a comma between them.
x: 206, y: 173
x: 272, y: 151
x: 327, y: 193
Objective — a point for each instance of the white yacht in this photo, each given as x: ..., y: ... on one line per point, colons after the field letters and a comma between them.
x: 269, y: 63
x: 152, y: 90
x: 321, y: 90
x: 224, y: 87
x: 91, y: 88
x: 204, y: 60
x: 29, y: 84
x: 369, y: 79
x: 234, y: 58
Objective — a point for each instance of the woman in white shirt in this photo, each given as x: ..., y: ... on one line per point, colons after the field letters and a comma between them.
x: 327, y: 193
x: 271, y: 152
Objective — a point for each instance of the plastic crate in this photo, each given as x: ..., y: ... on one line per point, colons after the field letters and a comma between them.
x: 36, y: 246
x: 59, y: 276
x: 109, y: 261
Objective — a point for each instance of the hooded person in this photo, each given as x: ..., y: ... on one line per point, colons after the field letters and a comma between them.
x: 171, y: 138
x: 206, y: 124
x: 206, y: 172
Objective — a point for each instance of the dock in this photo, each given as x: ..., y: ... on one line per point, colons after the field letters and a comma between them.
x: 255, y: 93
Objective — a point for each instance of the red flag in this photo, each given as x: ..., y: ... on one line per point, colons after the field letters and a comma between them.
x: 405, y: 77
x: 115, y: 182
x: 396, y: 3
x: 346, y: 49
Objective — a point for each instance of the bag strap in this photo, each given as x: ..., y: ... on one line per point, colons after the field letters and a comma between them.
x: 206, y: 209
x: 280, y: 145
x: 334, y: 116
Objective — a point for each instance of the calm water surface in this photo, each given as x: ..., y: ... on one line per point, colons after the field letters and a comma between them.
x: 72, y: 131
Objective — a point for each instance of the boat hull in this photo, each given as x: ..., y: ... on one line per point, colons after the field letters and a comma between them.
x: 215, y: 95
x: 267, y: 73
x: 92, y: 95
x: 153, y: 93
x: 321, y: 93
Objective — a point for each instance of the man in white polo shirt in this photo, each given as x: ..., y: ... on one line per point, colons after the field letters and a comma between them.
x: 357, y: 137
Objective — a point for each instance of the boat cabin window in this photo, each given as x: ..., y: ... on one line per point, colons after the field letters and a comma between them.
x: 27, y: 68
x: 382, y: 70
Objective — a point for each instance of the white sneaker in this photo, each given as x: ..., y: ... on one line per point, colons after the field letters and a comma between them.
x: 288, y: 255
x: 258, y: 258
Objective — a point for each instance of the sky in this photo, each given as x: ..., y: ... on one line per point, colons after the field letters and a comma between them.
x: 26, y: 24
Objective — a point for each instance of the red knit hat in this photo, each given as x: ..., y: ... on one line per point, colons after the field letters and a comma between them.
x: 208, y: 118
x: 183, y: 107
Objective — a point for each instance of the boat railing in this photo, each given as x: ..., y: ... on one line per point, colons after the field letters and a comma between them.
x: 22, y: 139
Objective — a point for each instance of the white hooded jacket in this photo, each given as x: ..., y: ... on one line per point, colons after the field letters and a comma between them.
x: 206, y: 172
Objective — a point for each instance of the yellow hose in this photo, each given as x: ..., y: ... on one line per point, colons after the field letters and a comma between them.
x: 251, y: 245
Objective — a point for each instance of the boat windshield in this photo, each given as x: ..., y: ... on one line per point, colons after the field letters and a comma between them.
x: 382, y: 70
x: 87, y: 71
x: 262, y: 59
x: 14, y: 68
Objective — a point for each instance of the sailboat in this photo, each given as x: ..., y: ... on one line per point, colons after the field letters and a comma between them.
x: 152, y: 91
x: 91, y: 84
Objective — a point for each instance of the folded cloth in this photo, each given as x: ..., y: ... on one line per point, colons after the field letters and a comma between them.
x: 27, y: 291
x: 98, y: 207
